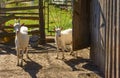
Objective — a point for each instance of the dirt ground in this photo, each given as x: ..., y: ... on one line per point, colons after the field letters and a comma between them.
x: 43, y: 64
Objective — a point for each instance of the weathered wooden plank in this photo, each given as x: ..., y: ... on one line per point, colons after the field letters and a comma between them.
x: 106, y: 51
x: 111, y: 11
x: 60, y: 4
x: 21, y: 17
x: 17, y: 1
x: 42, y: 23
x: 20, y: 13
x: 118, y: 40
x: 20, y: 8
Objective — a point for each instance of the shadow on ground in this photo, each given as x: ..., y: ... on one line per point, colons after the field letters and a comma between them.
x: 87, y: 65
x: 32, y: 68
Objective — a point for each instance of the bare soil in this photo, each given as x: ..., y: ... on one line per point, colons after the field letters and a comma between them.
x: 43, y: 64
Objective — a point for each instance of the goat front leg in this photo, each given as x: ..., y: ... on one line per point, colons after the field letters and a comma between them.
x: 57, y: 52
x: 26, y: 51
x: 21, y: 56
x: 18, y: 56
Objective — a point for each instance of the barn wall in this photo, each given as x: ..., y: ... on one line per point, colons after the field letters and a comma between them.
x: 105, y: 39
x: 98, y: 34
x: 81, y: 35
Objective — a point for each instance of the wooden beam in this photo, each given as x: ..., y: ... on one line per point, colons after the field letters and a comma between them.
x: 17, y: 1
x: 19, y: 8
x: 42, y: 23
x: 21, y: 17
x: 60, y: 4
x: 21, y: 13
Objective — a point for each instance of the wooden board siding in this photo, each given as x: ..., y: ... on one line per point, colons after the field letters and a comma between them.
x: 81, y: 35
x: 113, y: 37
x: 105, y: 36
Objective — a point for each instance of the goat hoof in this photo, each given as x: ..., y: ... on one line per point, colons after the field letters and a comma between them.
x: 56, y: 57
x: 63, y: 58
x: 20, y: 65
x: 72, y: 54
x: 28, y: 57
x: 17, y: 64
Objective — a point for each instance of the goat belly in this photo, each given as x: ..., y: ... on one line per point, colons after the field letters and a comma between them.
x: 23, y: 41
x: 67, y: 38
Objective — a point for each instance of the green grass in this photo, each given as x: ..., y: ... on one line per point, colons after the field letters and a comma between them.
x: 61, y: 18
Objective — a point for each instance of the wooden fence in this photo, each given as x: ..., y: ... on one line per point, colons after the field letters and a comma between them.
x: 7, y: 14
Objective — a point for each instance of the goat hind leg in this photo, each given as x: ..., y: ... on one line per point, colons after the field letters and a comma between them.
x: 63, y: 51
x: 18, y: 56
x: 57, y: 53
x: 22, y: 53
x: 71, y: 50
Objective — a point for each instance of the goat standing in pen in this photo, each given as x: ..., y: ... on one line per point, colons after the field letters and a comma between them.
x: 63, y: 38
x: 21, y: 41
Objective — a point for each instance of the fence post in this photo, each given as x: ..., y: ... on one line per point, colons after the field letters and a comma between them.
x: 2, y: 5
x: 42, y: 23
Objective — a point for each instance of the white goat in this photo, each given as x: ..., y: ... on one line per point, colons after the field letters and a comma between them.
x: 21, y: 41
x: 63, y: 38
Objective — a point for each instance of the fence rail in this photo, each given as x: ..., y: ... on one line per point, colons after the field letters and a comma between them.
x: 17, y: 1
x: 20, y: 8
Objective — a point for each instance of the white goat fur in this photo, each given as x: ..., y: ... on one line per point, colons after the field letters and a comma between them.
x: 63, y: 38
x: 21, y: 41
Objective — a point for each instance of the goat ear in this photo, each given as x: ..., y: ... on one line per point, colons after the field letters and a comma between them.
x: 11, y: 25
x: 61, y: 28
x: 19, y: 20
